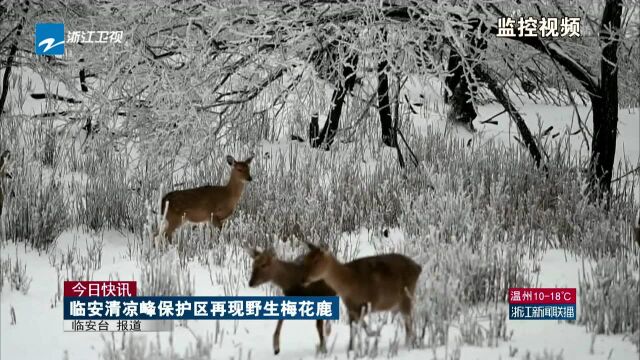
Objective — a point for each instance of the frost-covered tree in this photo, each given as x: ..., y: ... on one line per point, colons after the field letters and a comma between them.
x: 210, y: 69
x: 566, y: 70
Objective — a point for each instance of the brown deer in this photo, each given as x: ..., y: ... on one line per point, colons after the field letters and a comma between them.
x: 212, y: 204
x: 288, y: 277
x: 4, y: 173
x: 376, y: 283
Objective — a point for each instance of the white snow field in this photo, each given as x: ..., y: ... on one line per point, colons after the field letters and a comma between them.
x: 38, y: 333
x: 31, y: 322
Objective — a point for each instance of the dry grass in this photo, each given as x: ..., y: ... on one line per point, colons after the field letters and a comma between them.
x: 470, y: 215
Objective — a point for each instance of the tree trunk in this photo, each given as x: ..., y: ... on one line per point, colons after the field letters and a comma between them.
x: 7, y: 70
x: 330, y: 128
x: 454, y: 70
x: 388, y: 125
x: 88, y: 125
x: 605, y: 104
x: 4, y: 158
x: 396, y: 126
x: 483, y: 74
x: 461, y: 109
x: 314, y: 131
x: 389, y: 136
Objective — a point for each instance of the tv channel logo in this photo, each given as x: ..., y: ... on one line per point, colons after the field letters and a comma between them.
x: 49, y: 39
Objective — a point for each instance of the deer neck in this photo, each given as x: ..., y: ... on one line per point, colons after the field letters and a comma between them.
x: 286, y: 275
x: 235, y: 186
x: 339, y: 277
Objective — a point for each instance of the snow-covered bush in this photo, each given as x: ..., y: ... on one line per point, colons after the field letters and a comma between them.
x: 608, y: 298
x: 13, y: 271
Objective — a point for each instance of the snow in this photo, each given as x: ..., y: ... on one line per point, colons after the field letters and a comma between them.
x: 538, y: 117
x: 38, y: 333
x: 298, y: 338
x: 555, y: 48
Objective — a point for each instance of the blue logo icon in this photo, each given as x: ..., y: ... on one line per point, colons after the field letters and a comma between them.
x: 50, y: 39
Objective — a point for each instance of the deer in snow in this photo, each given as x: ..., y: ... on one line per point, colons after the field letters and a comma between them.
x: 384, y: 282
x: 288, y: 277
x: 212, y: 204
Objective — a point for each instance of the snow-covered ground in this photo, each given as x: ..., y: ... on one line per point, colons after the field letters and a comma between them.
x: 37, y: 331
x: 37, y: 319
x: 539, y: 117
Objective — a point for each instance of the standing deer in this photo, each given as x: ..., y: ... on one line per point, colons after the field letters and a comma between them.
x: 212, y: 204
x: 377, y: 283
x: 288, y: 277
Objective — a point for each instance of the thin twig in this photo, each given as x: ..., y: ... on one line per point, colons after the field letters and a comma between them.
x: 637, y: 169
x: 493, y: 117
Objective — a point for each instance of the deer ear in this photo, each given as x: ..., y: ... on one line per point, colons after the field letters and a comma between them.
x: 310, y: 245
x: 253, y: 252
x: 230, y: 160
x: 324, y: 247
x: 248, y: 161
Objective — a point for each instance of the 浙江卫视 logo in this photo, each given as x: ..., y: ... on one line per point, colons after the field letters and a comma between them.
x: 49, y: 39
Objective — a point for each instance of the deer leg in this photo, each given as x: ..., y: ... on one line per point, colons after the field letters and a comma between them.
x: 351, y: 329
x: 214, y: 220
x: 327, y: 327
x: 368, y: 330
x: 353, y: 321
x: 171, y: 224
x: 405, y: 308
x: 408, y: 327
x: 210, y: 230
x: 276, y: 338
x: 156, y: 237
x: 211, y: 235
x: 319, y: 326
x: 217, y: 222
x: 362, y: 321
x: 169, y: 230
